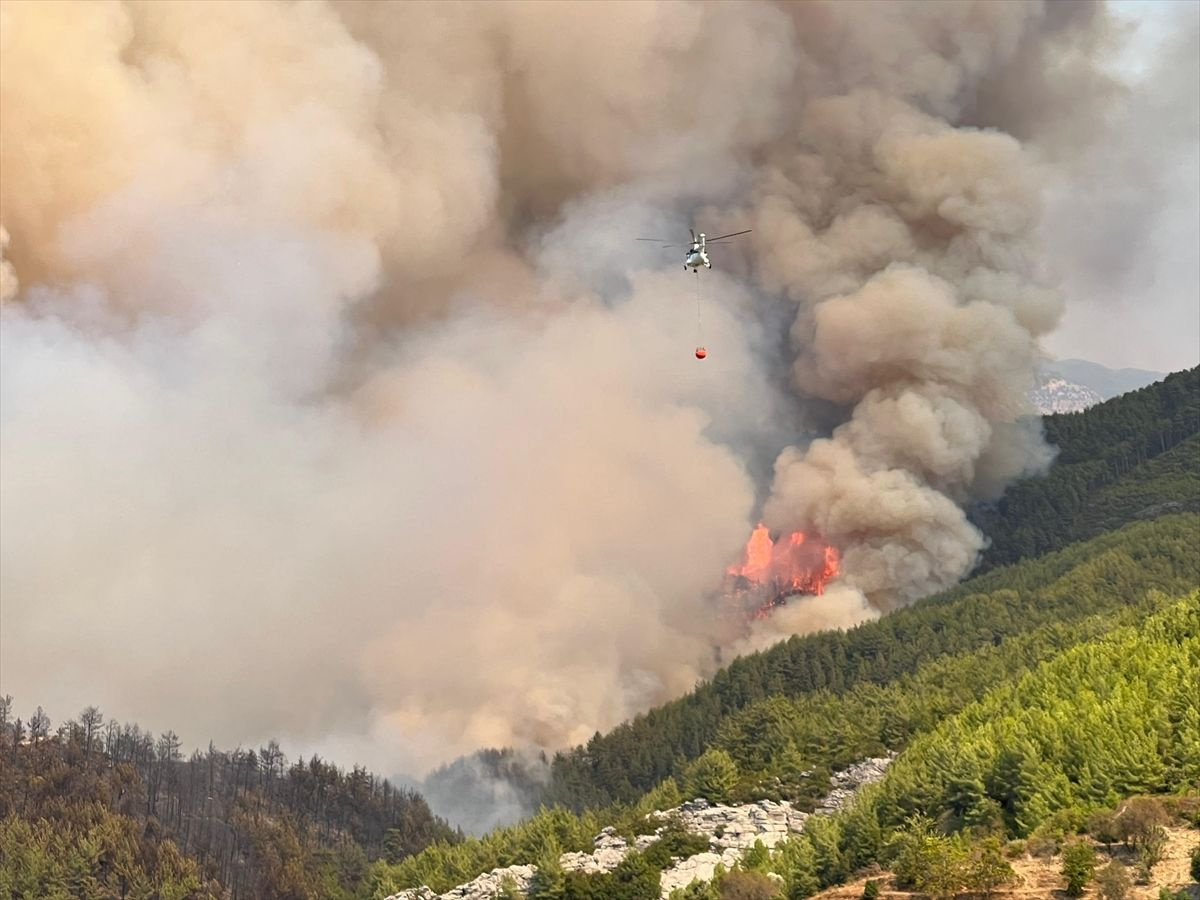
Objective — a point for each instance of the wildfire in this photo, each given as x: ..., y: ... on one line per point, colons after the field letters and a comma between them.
x: 771, y: 571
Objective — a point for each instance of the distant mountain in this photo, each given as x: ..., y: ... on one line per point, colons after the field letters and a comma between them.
x: 1106, y: 382
x: 1057, y: 395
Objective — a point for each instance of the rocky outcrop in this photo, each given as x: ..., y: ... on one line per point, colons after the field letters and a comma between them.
x: 700, y: 867
x: 611, y: 848
x: 731, y: 831
x: 1056, y: 395
x: 486, y: 887
x: 420, y: 893
x: 740, y: 826
x: 845, y: 784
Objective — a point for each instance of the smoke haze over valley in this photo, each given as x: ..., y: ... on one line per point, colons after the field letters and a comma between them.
x: 339, y: 405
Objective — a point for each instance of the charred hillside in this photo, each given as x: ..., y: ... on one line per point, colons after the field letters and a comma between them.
x: 101, y: 809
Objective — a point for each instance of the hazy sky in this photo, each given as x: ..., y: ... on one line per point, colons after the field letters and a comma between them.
x: 1149, y: 315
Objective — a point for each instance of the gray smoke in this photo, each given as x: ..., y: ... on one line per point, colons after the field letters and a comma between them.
x: 339, y: 405
x: 487, y: 789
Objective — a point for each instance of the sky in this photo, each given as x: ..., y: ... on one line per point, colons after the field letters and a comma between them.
x: 1149, y: 316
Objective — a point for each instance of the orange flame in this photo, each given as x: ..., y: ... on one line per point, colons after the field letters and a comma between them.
x: 771, y: 571
x: 757, y: 555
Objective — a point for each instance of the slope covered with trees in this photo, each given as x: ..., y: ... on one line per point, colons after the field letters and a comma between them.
x: 1104, y: 574
x: 775, y: 724
x: 1132, y: 459
x: 1135, y: 456
x: 1051, y: 745
x: 95, y: 811
x: 1110, y: 718
x: 1052, y: 754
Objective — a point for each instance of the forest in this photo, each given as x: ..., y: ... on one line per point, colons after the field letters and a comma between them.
x: 1145, y: 446
x: 1108, y: 573
x: 97, y: 809
x: 890, y: 683
x: 1135, y: 456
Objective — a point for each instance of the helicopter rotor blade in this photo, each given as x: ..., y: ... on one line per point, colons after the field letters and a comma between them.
x: 655, y: 240
x: 723, y: 236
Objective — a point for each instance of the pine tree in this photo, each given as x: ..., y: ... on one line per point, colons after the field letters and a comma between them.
x: 1113, y: 881
x: 1078, y: 864
x: 549, y: 882
x: 795, y: 859
x: 826, y: 836
x: 713, y: 776
x: 633, y: 879
x: 988, y: 870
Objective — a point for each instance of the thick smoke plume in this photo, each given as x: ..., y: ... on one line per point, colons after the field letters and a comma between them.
x: 339, y: 405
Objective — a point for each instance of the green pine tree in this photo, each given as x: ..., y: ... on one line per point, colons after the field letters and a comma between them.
x: 713, y: 776
x: 1078, y: 864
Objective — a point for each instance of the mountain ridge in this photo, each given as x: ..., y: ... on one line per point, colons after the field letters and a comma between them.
x: 1105, y: 381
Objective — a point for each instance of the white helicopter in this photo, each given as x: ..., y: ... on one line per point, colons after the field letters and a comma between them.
x: 695, y: 256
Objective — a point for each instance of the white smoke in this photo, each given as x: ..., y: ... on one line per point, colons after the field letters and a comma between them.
x: 339, y: 405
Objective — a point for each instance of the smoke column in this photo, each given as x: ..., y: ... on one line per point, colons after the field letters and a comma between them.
x: 339, y: 405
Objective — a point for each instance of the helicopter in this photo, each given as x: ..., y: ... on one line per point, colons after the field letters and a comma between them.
x: 695, y: 256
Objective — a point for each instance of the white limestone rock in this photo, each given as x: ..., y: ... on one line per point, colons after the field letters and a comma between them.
x: 731, y: 831
x: 486, y: 887
x: 697, y: 868
x: 420, y: 893
x: 845, y: 784
x: 741, y: 826
x: 1057, y: 395
x: 610, y: 850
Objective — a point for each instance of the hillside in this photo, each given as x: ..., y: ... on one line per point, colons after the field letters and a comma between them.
x: 1126, y: 460
x: 1041, y: 876
x: 1100, y: 575
x: 1060, y: 730
x: 1109, y: 718
x: 1108, y: 472
x: 95, y: 810
x: 778, y: 722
